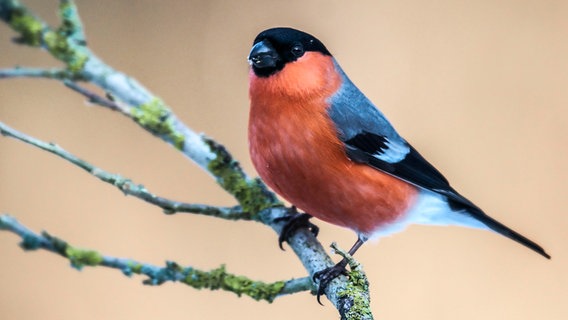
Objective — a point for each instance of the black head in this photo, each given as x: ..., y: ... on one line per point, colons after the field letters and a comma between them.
x: 274, y: 48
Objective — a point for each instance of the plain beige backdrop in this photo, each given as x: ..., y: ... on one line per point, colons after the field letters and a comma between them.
x: 479, y: 87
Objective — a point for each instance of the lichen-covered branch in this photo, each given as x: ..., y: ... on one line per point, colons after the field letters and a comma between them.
x: 126, y: 185
x: 21, y: 20
x: 216, y: 279
x: 355, y: 299
x: 66, y: 43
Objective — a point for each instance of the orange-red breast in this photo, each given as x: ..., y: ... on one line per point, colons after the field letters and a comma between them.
x: 318, y: 142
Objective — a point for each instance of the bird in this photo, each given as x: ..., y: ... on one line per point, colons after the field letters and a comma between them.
x: 321, y: 144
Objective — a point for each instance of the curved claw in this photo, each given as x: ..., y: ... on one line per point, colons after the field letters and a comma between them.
x: 325, y: 276
x: 295, y: 221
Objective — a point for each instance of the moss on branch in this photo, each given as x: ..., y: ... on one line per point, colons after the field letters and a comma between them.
x: 156, y: 117
x: 23, y: 22
x: 78, y: 257
x: 252, y: 194
x: 66, y: 43
x: 216, y: 279
x: 355, y: 296
x: 219, y: 279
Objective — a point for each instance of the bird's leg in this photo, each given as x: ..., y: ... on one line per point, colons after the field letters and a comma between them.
x: 294, y: 221
x: 325, y: 276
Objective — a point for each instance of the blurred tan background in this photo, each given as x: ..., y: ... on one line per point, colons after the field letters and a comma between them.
x: 479, y: 87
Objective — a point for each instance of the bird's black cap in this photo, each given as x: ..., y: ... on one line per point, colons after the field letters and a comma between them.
x: 274, y: 48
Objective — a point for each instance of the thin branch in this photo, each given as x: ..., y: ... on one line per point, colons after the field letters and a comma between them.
x: 96, y: 99
x: 214, y: 279
x: 126, y: 185
x: 22, y: 72
x: 29, y: 28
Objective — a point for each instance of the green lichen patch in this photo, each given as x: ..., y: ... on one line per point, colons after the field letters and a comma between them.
x: 252, y: 194
x: 80, y: 257
x: 20, y: 20
x: 136, y: 268
x: 77, y: 63
x: 58, y: 44
x: 34, y: 32
x: 157, y: 118
x: 219, y: 279
x: 357, y: 290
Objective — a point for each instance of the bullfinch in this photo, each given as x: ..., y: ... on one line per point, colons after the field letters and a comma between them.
x: 318, y: 142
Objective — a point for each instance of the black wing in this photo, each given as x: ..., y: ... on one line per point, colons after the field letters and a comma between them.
x: 369, y: 148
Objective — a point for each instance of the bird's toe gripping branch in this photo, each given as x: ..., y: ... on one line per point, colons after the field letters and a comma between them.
x: 357, y: 283
x: 325, y: 276
x: 294, y: 221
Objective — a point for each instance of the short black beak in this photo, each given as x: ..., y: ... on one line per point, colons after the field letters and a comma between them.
x: 263, y: 55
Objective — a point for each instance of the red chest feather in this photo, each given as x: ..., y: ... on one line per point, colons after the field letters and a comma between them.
x: 295, y: 149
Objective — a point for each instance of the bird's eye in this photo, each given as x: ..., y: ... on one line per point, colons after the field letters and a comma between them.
x: 297, y: 50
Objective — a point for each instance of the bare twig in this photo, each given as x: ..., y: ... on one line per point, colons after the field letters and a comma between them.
x: 96, y: 99
x: 126, y: 185
x: 21, y: 72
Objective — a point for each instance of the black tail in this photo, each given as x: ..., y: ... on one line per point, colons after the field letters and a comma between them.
x: 507, y: 232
